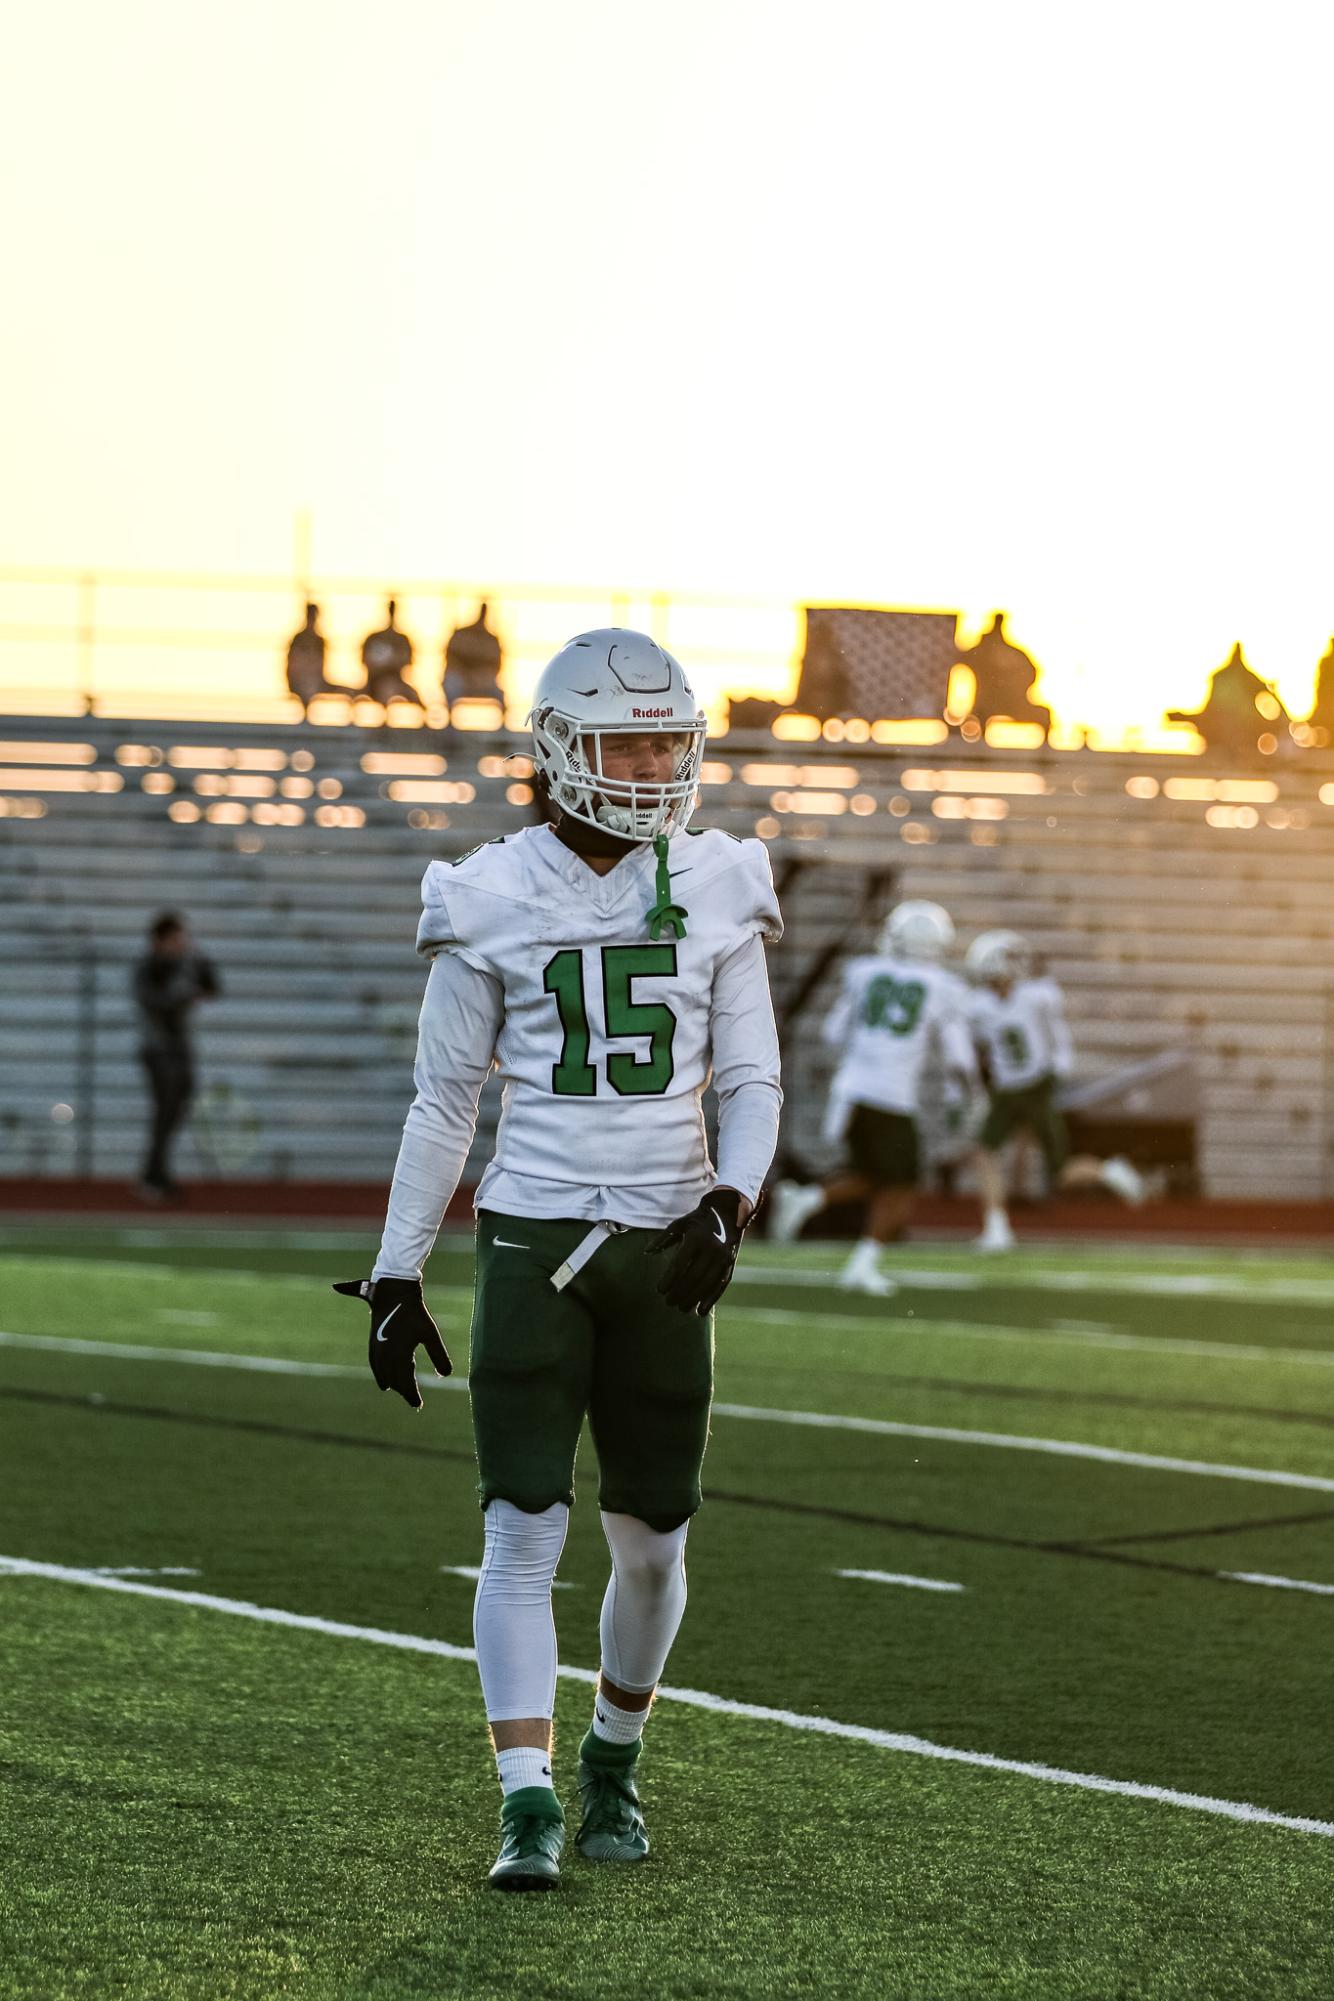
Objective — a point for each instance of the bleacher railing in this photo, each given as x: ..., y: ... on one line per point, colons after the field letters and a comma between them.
x: 213, y: 647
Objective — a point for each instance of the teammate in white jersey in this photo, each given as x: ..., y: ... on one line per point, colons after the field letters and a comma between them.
x: 1019, y: 1024
x: 611, y: 966
x: 895, y: 1009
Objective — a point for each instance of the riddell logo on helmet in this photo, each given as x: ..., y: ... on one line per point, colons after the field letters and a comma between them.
x: 648, y: 715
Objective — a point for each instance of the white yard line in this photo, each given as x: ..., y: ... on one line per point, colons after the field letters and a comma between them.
x: 205, y: 1358
x: 924, y: 1280
x: 205, y: 1239
x: 773, y: 1316
x: 893, y: 1324
x: 1278, y: 1583
x: 997, y: 1274
x: 145, y: 1268
x: 144, y: 1570
x: 879, y: 1427
x: 1062, y: 1448
x: 473, y: 1571
x: 990, y: 1273
x: 900, y: 1577
x: 718, y: 1705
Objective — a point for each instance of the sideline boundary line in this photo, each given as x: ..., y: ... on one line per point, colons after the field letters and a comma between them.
x: 693, y: 1698
x: 1102, y: 1549
x: 999, y: 1275
x: 1278, y: 1583
x: 1048, y: 1335
x: 1043, y: 1337
x: 1062, y: 1448
x: 206, y: 1358
x: 879, y: 1427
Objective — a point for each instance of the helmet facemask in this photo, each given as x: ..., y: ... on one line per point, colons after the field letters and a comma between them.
x: 569, y: 754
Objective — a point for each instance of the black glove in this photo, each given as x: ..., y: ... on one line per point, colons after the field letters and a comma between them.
x: 400, y: 1324
x: 705, y: 1244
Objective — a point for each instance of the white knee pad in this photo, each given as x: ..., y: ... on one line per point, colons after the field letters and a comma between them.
x: 512, y: 1625
x: 645, y: 1599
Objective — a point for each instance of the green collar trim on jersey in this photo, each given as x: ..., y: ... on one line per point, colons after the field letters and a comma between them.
x: 664, y: 912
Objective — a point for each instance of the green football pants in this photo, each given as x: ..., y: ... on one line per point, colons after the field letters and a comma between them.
x: 606, y: 1348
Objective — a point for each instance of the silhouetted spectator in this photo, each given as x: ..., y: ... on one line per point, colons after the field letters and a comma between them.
x: 305, y: 662
x: 472, y: 663
x: 168, y: 981
x: 1004, y: 675
x: 1233, y: 717
x: 386, y: 655
x: 1322, y: 715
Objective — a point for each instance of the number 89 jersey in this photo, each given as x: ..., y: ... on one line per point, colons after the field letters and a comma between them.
x: 887, y: 1017
x: 605, y: 1046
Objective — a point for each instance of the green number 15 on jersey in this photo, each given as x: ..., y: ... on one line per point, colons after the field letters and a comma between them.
x: 629, y: 1074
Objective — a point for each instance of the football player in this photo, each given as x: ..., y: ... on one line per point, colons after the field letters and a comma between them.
x: 1018, y: 1020
x: 896, y: 1008
x: 611, y: 964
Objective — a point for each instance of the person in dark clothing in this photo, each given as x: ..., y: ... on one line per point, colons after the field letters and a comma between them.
x: 1005, y: 677
x: 1321, y: 717
x: 386, y: 655
x: 305, y: 662
x: 168, y: 981
x: 1239, y: 712
x: 472, y: 663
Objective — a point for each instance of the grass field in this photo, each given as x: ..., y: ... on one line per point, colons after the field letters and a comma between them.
x: 1099, y: 1763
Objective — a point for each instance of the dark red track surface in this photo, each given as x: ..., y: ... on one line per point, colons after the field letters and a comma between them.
x: 1180, y: 1221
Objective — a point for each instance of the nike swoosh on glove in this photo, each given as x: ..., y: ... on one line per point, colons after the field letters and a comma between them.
x: 704, y: 1246
x: 400, y: 1324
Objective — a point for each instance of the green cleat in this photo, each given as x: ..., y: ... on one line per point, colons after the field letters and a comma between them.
x: 612, y: 1828
x: 532, y: 1828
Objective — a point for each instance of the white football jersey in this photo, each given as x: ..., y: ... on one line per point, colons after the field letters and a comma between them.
x: 1024, y: 1033
x: 891, y: 1014
x: 607, y: 1037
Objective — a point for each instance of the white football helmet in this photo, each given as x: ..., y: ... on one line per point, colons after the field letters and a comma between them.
x: 614, y: 682
x: 917, y: 930
x: 998, y: 955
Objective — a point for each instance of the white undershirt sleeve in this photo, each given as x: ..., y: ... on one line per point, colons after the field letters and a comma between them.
x: 955, y: 1042
x: 745, y: 1068
x: 1062, y: 1045
x: 456, y: 1039
x: 834, y: 1028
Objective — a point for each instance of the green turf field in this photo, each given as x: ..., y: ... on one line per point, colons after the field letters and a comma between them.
x: 199, y: 1799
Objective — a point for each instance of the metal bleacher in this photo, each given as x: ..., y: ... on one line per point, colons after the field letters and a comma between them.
x: 1182, y: 905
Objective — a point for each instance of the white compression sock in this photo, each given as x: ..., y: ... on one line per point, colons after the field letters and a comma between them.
x: 614, y: 1725
x: 525, y: 1765
x: 646, y: 1596
x: 866, y: 1256
x: 512, y: 1624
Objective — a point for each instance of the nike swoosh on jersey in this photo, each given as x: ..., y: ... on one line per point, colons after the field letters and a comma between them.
x: 379, y: 1332
x: 504, y: 1244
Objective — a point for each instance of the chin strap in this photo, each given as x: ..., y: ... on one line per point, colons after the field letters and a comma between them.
x: 664, y: 912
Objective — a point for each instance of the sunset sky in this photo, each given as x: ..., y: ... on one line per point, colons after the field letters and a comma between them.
x: 954, y: 305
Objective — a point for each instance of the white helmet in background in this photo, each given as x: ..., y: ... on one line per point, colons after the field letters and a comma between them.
x: 917, y: 930
x: 614, y: 682
x: 998, y: 955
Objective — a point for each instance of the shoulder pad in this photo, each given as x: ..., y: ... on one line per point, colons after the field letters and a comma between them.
x: 711, y: 854
x: 455, y: 895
